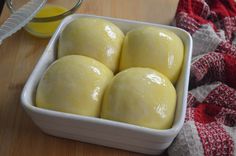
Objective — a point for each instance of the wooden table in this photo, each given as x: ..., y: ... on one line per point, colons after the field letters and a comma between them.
x: 18, y: 54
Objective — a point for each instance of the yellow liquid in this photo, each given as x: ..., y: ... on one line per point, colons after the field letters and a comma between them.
x: 45, y: 29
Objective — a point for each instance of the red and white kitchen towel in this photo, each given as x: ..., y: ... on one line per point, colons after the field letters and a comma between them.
x: 210, y: 123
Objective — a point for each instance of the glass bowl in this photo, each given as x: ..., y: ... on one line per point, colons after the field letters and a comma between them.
x: 49, y: 17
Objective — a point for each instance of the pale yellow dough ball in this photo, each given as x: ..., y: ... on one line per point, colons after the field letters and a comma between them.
x: 155, y: 48
x: 73, y: 84
x: 140, y: 96
x: 92, y: 37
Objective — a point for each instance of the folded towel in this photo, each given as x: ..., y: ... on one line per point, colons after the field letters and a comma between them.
x: 210, y: 123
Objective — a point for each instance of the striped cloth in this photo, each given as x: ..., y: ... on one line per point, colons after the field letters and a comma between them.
x: 210, y: 123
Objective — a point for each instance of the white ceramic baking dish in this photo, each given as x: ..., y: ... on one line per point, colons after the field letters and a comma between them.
x: 101, y: 131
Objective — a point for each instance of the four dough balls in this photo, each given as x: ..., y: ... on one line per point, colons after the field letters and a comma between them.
x: 90, y: 50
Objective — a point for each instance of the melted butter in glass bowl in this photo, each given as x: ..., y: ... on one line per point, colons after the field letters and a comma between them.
x: 49, y: 17
x: 45, y: 29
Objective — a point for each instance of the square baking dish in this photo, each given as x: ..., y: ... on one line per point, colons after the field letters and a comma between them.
x: 101, y: 131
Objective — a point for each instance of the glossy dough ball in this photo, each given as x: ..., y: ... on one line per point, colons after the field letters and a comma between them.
x: 155, y: 48
x: 74, y: 84
x: 140, y: 96
x: 92, y: 37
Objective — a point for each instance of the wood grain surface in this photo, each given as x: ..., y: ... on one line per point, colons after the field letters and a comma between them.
x: 19, y: 136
